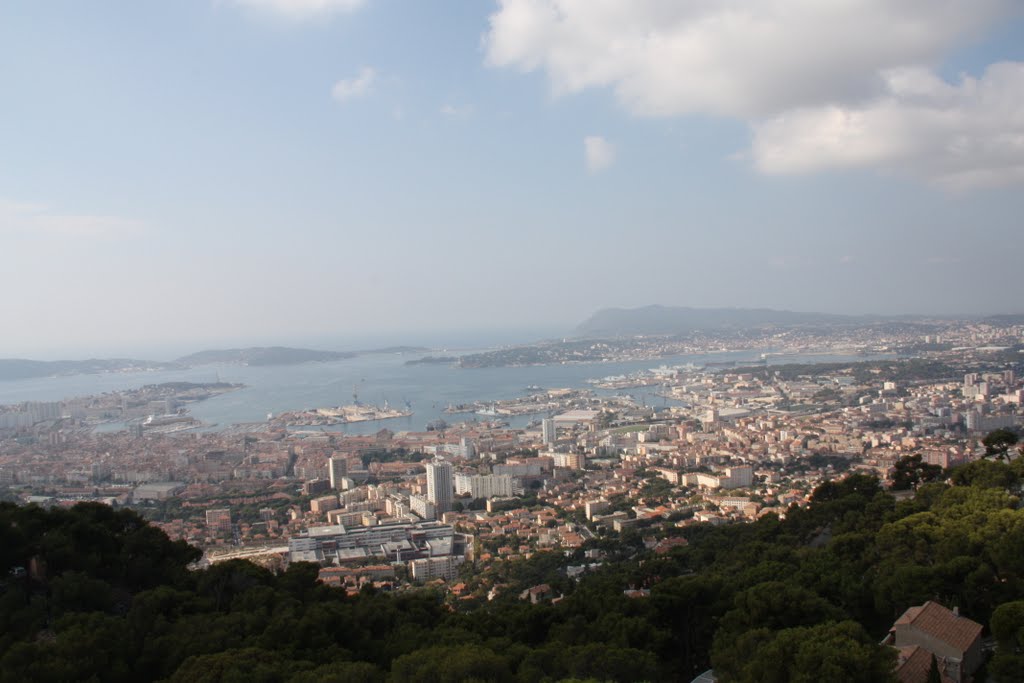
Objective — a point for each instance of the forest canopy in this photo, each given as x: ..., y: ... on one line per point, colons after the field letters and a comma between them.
x: 92, y: 592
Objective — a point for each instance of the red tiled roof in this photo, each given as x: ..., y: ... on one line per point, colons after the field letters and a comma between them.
x: 914, y: 664
x: 939, y: 622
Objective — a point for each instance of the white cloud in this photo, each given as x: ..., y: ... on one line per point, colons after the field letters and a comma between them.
x: 357, y: 86
x: 744, y: 58
x: 598, y: 152
x: 960, y: 137
x: 35, y: 219
x: 454, y: 111
x: 300, y: 10
x: 843, y: 77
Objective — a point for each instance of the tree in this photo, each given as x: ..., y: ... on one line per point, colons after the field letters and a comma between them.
x: 251, y: 665
x: 341, y: 672
x: 910, y: 471
x: 451, y: 665
x: 774, y: 605
x: 826, y: 652
x: 1007, y: 626
x: 997, y: 443
x: 985, y: 473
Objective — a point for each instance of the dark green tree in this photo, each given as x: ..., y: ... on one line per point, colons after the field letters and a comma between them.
x: 826, y: 652
x: 998, y: 442
x: 451, y: 665
x: 909, y: 471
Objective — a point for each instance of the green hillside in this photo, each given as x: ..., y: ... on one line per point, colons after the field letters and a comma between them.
x: 106, y: 597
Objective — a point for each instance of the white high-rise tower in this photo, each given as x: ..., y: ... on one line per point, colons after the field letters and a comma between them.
x: 338, y: 467
x: 548, y: 431
x: 439, y: 485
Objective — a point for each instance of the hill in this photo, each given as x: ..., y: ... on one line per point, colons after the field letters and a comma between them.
x: 20, y: 368
x: 93, y: 593
x: 263, y: 355
x: 658, y: 320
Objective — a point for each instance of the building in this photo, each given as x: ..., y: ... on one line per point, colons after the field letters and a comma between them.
x: 914, y: 664
x: 324, y: 504
x: 467, y: 449
x: 429, y: 568
x: 954, y: 640
x: 975, y: 421
x: 943, y: 458
x: 671, y: 476
x: 158, y: 490
x: 710, y: 417
x: 439, y: 485
x: 733, y: 478
x: 537, y: 594
x: 337, y: 468
x: 348, y: 518
x: 484, y: 486
x: 389, y: 541
x: 422, y: 508
x: 315, y: 487
x: 218, y: 521
x: 531, y: 469
x: 549, y: 433
x: 738, y: 477
x: 576, y: 417
x: 596, y: 507
x: 572, y: 461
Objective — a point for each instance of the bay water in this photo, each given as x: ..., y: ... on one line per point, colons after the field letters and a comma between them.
x: 374, y: 378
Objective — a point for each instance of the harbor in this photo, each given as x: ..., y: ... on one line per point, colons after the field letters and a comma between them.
x: 339, y: 415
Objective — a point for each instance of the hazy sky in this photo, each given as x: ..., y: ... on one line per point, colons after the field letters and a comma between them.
x: 181, y: 173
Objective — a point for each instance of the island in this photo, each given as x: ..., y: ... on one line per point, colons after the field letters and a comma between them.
x: 263, y: 355
x: 433, y: 360
x: 21, y: 368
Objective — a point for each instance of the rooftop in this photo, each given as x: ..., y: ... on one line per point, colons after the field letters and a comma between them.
x: 941, y: 623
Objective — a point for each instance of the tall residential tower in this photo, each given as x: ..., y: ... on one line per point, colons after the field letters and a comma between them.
x: 338, y: 467
x: 440, y: 486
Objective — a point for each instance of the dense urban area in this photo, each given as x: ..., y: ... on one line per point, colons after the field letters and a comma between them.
x: 601, y: 495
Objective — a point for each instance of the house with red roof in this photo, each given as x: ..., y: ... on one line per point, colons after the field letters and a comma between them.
x: 934, y: 630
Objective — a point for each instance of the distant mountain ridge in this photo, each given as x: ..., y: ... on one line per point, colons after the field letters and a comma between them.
x: 20, y: 368
x: 263, y: 355
x: 682, y: 319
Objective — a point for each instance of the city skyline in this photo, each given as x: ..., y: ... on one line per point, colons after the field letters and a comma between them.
x: 252, y: 172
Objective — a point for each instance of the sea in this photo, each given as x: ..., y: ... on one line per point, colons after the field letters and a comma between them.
x: 376, y: 378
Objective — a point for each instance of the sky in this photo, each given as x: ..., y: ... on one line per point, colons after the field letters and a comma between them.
x: 180, y: 174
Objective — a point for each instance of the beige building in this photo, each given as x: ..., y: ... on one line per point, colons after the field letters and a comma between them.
x: 954, y: 640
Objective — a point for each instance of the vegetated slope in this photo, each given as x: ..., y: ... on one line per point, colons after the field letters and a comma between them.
x: 773, y: 600
x: 263, y: 355
x: 19, y: 368
x: 656, y: 320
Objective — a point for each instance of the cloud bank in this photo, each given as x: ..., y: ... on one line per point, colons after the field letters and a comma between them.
x: 822, y: 84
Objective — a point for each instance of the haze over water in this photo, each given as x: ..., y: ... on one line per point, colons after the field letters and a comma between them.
x: 375, y: 378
